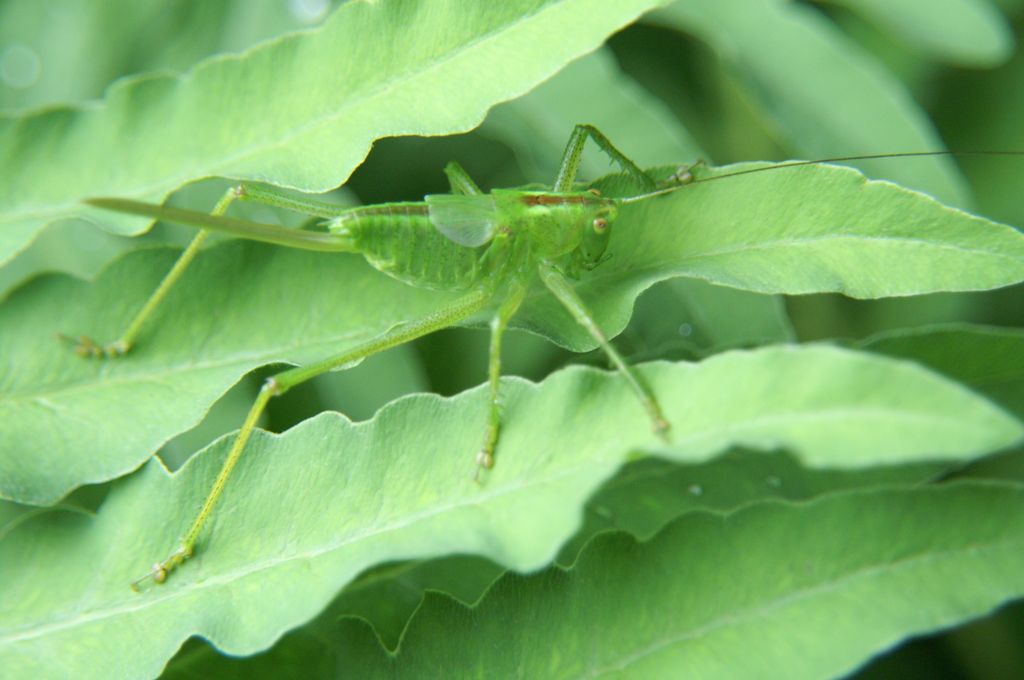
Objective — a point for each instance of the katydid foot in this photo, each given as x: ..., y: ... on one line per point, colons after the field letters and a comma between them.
x: 661, y: 427
x: 84, y: 346
x: 159, y: 571
x: 485, y: 459
x: 682, y: 175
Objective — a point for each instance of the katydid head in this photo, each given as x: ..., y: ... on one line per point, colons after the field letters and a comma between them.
x: 595, y: 237
x: 592, y: 229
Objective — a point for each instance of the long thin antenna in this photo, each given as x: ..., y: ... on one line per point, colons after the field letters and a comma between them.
x: 794, y: 164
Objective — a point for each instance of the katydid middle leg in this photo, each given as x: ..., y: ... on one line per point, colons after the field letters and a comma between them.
x: 561, y: 289
x: 516, y: 293
x: 443, y: 317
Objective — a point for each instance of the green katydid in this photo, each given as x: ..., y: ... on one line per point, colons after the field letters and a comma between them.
x: 489, y: 246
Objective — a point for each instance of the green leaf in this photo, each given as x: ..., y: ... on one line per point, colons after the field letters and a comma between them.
x: 988, y: 358
x: 301, y: 110
x: 642, y: 498
x: 649, y: 493
x: 308, y: 510
x: 328, y: 493
x: 773, y: 591
x: 68, y: 421
x: 971, y: 33
x: 701, y: 318
x: 992, y: 122
x: 389, y: 595
x: 821, y: 92
x: 804, y: 229
x: 81, y: 47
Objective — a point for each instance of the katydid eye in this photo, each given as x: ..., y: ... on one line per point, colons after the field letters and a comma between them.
x: 600, y: 225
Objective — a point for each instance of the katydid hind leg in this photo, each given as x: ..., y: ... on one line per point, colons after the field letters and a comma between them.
x: 561, y: 289
x: 86, y: 347
x: 442, y: 317
x: 516, y: 293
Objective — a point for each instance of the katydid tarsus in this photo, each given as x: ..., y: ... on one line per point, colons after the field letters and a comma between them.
x: 488, y: 246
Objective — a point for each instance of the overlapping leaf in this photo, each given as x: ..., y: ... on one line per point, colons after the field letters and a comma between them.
x: 641, y: 499
x: 988, y: 358
x: 769, y: 592
x: 333, y: 475
x: 70, y: 421
x: 965, y: 32
x: 308, y: 510
x: 81, y: 47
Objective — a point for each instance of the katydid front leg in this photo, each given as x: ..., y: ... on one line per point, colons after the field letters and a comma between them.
x: 574, y: 150
x: 561, y: 289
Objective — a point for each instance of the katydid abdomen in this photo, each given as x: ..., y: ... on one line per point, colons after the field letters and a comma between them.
x: 400, y: 240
